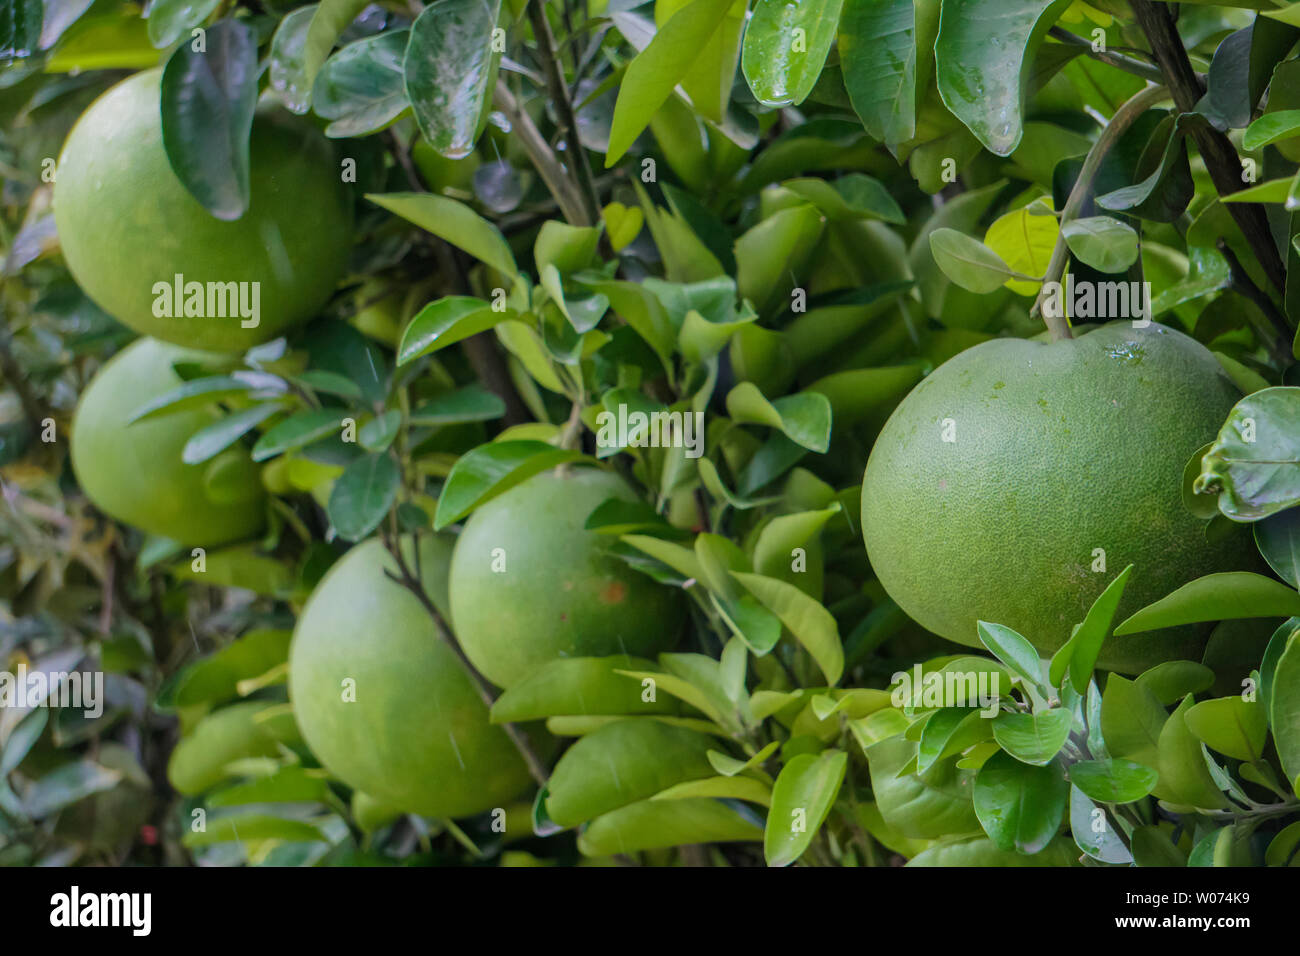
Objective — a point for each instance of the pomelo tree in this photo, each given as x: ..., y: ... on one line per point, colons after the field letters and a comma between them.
x: 699, y: 432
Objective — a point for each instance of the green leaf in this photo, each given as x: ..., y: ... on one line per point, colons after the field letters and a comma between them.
x: 1254, y: 464
x: 655, y: 824
x: 781, y: 66
x: 1284, y: 712
x: 208, y: 100
x: 802, y: 797
x: 1131, y: 720
x: 297, y: 431
x: 1025, y: 239
x: 1184, y: 776
x: 360, y: 88
x: 1020, y: 806
x: 568, y: 248
x: 1171, y: 681
x: 288, y: 65
x: 381, y: 431
x: 1113, y: 781
x: 583, y: 686
x: 1278, y: 540
x: 455, y: 222
x: 450, y: 70
x: 810, y: 623
x: 1085, y: 644
x: 880, y: 44
x: 723, y: 787
x: 444, y: 322
x: 1095, y: 835
x: 1165, y: 193
x: 288, y: 785
x: 21, y: 739
x: 621, y: 763
x: 1270, y: 128
x: 983, y: 55
x: 66, y: 785
x: 1011, y: 649
x: 1277, y: 645
x: 948, y: 731
x: 1216, y: 597
x: 253, y: 828
x: 471, y: 403
x: 20, y: 28
x: 1033, y: 738
x: 780, y: 536
x: 653, y: 72
x: 804, y: 418
x: 169, y: 20
x: 489, y: 470
x: 1106, y: 244
x: 918, y: 805
x: 748, y: 620
x: 215, y: 679
x: 968, y: 262
x: 363, y: 494
x: 210, y: 441
x: 1234, y: 727
x: 855, y: 196
x: 239, y: 566
x: 327, y: 25
x: 866, y: 394
x: 200, y: 393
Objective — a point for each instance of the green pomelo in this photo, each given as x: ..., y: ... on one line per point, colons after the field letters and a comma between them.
x: 1059, y: 449
x: 416, y: 737
x: 552, y: 590
x: 126, y: 222
x: 134, y: 473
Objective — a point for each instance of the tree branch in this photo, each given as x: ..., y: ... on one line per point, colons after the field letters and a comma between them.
x: 1117, y: 60
x: 1221, y: 159
x: 548, y: 166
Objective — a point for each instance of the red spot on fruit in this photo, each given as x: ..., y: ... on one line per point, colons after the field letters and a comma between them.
x: 614, y: 592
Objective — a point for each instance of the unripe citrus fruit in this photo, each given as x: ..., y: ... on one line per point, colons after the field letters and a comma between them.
x: 1002, y: 483
x: 134, y: 473
x: 529, y: 584
x: 126, y: 223
x: 383, y: 701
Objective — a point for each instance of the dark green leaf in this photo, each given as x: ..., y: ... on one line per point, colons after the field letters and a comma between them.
x: 1216, y: 597
x: 450, y: 69
x: 360, y: 88
x: 781, y: 66
x: 363, y: 494
x: 1020, y: 806
x: 1113, y: 781
x: 1254, y: 464
x: 210, y: 441
x: 297, y: 431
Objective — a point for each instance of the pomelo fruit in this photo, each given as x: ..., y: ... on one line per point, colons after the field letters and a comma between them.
x: 560, y: 594
x: 416, y: 736
x: 126, y: 222
x: 134, y: 473
x: 1058, y: 449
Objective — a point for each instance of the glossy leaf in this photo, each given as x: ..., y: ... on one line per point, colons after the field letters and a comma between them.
x: 1093, y: 831
x: 363, y: 494
x: 1230, y: 725
x: 297, y: 431
x: 444, y: 322
x: 169, y: 20
x: 804, y: 418
x: 1113, y: 781
x: 810, y: 623
x: 360, y: 88
x: 1171, y: 681
x: 1033, y: 738
x: 455, y: 222
x: 208, y: 101
x: 802, y: 797
x: 327, y: 24
x: 918, y: 805
x: 968, y: 262
x: 653, y: 72
x: 654, y: 824
x: 782, y: 66
x: 1011, y: 649
x: 1254, y: 464
x: 1085, y: 644
x: 450, y: 69
x: 211, y: 440
x: 580, y: 685
x: 1278, y: 540
x: 287, y: 69
x: 982, y: 54
x: 1270, y: 128
x: 471, y: 403
x: 1131, y: 720
x: 1184, y: 777
x: 1024, y: 239
x: 489, y: 470
x: 1020, y: 806
x: 880, y: 44
x: 1106, y: 244
x: 621, y: 763
x: 1284, y: 712
x: 1216, y: 597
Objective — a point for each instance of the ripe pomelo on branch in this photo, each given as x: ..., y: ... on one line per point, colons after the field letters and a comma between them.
x: 134, y: 473
x: 529, y: 584
x: 384, y: 702
x: 1020, y: 477
x: 126, y: 223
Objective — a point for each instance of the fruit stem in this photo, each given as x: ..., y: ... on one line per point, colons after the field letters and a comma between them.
x: 1135, y: 106
x: 416, y: 586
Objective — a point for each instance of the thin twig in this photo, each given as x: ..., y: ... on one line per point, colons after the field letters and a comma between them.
x: 1124, y: 117
x: 1126, y: 63
x: 542, y: 156
x: 407, y: 579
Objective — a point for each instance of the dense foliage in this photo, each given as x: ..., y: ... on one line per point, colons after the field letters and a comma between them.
x: 566, y: 218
